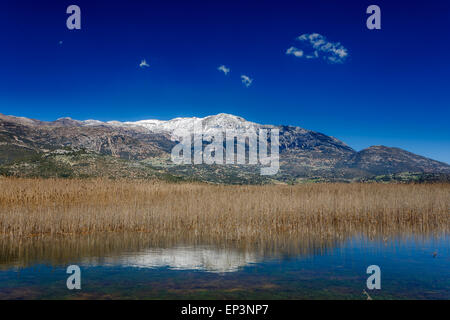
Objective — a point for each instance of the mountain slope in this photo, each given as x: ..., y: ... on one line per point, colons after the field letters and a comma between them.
x: 384, y: 160
x: 120, y: 142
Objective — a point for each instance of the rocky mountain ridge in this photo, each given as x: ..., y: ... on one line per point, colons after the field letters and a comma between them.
x: 304, y: 154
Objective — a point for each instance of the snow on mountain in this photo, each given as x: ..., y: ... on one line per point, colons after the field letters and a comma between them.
x: 180, y: 127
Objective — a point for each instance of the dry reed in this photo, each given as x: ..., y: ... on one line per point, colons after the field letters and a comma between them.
x: 30, y: 207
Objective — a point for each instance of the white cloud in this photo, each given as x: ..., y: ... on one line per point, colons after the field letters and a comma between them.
x: 316, y: 46
x: 144, y: 64
x: 294, y: 51
x: 247, y: 81
x: 224, y: 69
x: 314, y: 55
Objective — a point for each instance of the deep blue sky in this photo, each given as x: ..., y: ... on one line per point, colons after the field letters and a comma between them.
x: 393, y: 89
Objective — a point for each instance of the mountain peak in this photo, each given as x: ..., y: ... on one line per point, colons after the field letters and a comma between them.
x: 226, y: 116
x: 224, y: 121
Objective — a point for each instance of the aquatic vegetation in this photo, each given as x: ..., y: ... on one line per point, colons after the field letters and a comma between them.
x: 32, y: 207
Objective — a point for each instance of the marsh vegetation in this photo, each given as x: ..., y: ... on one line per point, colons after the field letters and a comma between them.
x: 37, y: 207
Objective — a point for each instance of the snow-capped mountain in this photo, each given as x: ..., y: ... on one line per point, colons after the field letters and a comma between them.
x: 180, y: 127
x: 304, y: 154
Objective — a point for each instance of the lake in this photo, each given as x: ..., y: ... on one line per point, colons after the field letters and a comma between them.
x: 133, y: 266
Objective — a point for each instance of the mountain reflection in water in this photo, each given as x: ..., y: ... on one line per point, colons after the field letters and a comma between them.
x: 208, y: 259
x: 309, y: 266
x: 145, y: 251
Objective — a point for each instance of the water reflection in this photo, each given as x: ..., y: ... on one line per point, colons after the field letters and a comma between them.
x: 310, y: 266
x: 202, y: 258
x: 142, y: 250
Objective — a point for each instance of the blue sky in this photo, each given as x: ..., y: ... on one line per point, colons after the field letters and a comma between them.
x: 391, y: 88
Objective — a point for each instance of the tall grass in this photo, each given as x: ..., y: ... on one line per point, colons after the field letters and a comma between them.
x: 31, y: 207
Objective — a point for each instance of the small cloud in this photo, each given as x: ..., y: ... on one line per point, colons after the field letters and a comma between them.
x: 247, y: 81
x: 60, y: 42
x: 316, y: 46
x: 224, y: 69
x: 314, y: 55
x: 144, y: 64
x: 294, y: 51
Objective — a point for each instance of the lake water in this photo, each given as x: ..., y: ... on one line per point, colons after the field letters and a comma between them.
x: 132, y: 267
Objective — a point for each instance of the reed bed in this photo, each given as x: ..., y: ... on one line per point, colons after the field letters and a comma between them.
x: 37, y: 207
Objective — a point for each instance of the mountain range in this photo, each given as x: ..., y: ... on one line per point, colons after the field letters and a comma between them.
x: 141, y: 149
